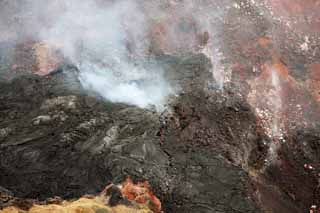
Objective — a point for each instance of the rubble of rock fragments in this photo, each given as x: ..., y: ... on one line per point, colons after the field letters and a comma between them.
x: 160, y: 106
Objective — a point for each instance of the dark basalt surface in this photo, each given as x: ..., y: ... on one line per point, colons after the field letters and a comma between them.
x: 205, y: 153
x: 58, y: 141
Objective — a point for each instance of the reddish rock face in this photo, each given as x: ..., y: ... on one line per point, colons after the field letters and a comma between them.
x: 315, y: 72
x: 35, y: 57
x: 141, y: 193
x: 278, y: 93
x: 313, y: 82
x: 177, y: 35
x: 265, y: 61
x: 47, y: 58
x: 292, y: 6
x: 305, y: 10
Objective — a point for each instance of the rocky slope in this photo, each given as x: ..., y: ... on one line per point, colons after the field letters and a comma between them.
x: 58, y: 141
x: 248, y: 145
x: 205, y: 153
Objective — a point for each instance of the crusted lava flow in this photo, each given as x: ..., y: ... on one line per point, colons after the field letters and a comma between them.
x: 238, y: 130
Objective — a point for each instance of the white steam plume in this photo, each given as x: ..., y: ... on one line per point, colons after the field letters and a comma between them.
x: 106, y: 39
x: 101, y: 40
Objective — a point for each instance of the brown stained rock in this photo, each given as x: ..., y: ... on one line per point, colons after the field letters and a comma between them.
x: 299, y: 8
x: 177, y: 35
x: 33, y: 57
x: 47, y: 58
x: 313, y: 82
x: 273, y: 63
x: 299, y: 15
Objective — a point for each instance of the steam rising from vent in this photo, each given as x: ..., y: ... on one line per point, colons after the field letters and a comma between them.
x: 97, y: 40
x: 276, y: 109
x: 142, y: 90
x: 112, y: 42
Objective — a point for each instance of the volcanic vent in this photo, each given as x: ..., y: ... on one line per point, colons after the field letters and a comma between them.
x: 159, y: 106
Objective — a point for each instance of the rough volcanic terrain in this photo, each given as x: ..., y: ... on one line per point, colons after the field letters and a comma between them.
x: 241, y: 134
x: 56, y: 142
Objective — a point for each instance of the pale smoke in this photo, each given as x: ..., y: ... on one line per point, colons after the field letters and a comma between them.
x: 219, y: 72
x: 96, y: 37
x: 276, y: 102
x: 147, y: 90
x: 106, y: 39
x: 182, y: 27
x: 276, y: 109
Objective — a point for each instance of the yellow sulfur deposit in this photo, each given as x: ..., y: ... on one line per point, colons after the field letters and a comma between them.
x: 83, y: 205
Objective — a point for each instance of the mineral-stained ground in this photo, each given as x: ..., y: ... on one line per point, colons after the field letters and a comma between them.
x: 211, y: 149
